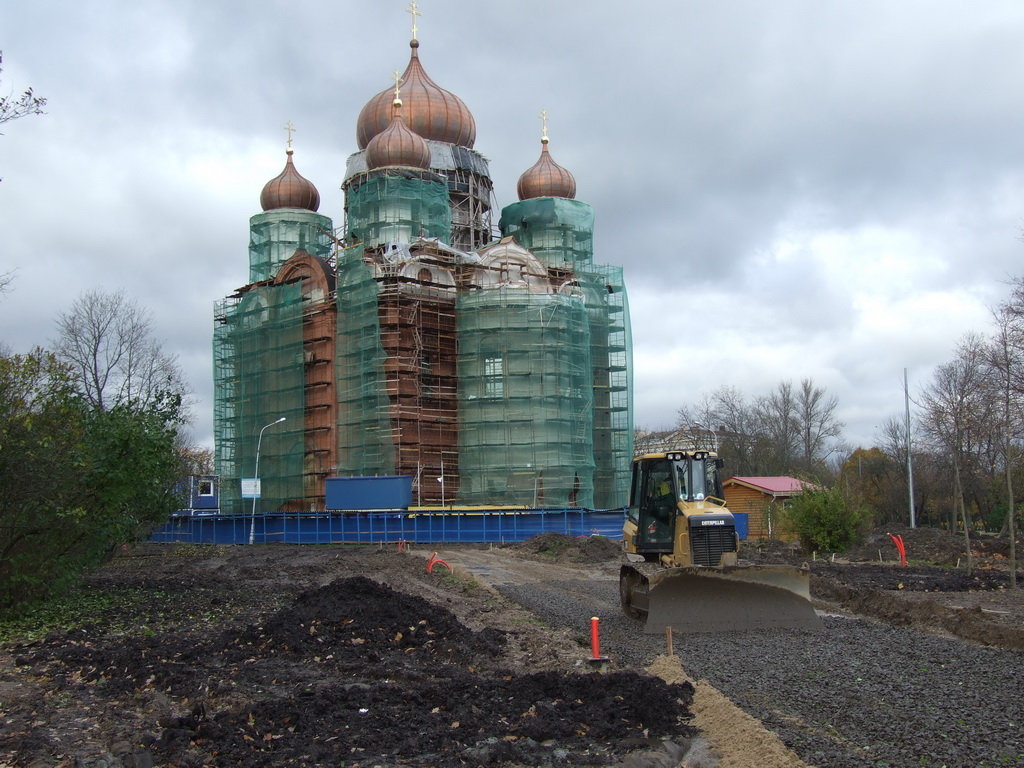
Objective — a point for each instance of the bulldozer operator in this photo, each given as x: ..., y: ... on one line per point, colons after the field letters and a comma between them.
x: 662, y: 503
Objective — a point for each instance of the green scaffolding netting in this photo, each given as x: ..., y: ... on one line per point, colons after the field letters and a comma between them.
x: 394, y: 205
x: 259, y: 378
x: 274, y: 236
x: 611, y: 353
x: 558, y: 231
x: 543, y: 378
x: 365, y: 446
x: 525, y: 420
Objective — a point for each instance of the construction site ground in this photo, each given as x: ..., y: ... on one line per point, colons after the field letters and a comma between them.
x: 336, y: 655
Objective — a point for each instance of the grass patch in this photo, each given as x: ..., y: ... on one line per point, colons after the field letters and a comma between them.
x: 115, y: 610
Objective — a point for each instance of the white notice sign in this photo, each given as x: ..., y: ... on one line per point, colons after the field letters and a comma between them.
x: 250, y: 487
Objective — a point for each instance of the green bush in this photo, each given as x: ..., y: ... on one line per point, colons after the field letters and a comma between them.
x: 996, y: 516
x: 75, y: 482
x: 823, y: 521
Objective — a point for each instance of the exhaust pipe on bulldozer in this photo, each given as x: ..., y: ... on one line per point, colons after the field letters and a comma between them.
x: 699, y: 599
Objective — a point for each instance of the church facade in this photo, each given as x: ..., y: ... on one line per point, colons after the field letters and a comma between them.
x: 494, y: 367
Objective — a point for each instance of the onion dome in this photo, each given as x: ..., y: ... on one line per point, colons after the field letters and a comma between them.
x: 546, y: 178
x: 430, y: 110
x: 290, y: 190
x: 397, y: 145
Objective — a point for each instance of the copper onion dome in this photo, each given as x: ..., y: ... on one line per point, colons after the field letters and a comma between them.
x: 430, y: 110
x: 290, y: 190
x: 546, y: 178
x: 397, y: 145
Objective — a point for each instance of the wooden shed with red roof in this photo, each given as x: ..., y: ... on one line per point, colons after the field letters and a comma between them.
x: 761, y: 499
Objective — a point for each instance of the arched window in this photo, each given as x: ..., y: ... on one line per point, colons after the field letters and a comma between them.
x: 494, y: 375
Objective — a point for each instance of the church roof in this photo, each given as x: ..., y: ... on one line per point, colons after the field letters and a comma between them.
x: 781, y: 485
x: 289, y: 189
x: 396, y: 145
x: 546, y: 178
x: 429, y: 110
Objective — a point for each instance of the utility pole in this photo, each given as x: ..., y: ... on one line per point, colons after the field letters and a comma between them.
x: 910, y: 464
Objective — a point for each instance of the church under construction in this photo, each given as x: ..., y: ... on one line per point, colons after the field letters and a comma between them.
x: 493, y: 367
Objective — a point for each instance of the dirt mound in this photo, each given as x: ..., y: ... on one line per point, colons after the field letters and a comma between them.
x: 932, y: 546
x: 768, y: 551
x: 970, y: 606
x: 560, y: 548
x: 362, y: 622
x: 913, y: 578
x: 445, y: 720
x: 352, y: 623
x: 353, y: 672
x: 928, y: 545
x: 969, y: 623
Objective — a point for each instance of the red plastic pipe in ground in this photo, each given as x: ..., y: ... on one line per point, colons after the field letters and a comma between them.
x: 595, y: 638
x: 898, y: 541
x: 435, y: 560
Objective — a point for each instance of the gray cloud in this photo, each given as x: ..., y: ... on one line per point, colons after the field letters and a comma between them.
x: 800, y: 188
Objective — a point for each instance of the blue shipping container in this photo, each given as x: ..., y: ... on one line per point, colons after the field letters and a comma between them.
x: 361, y: 493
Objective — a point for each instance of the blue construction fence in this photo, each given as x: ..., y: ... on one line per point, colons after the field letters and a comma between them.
x: 448, y: 526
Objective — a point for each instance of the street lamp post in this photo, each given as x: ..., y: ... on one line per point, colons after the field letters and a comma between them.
x: 256, y: 475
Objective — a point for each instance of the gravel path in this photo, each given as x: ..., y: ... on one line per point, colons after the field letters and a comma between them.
x: 856, y: 694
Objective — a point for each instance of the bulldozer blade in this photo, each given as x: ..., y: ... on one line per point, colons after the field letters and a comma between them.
x: 693, y: 600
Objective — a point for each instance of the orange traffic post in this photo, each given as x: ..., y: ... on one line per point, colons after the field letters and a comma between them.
x: 596, y: 659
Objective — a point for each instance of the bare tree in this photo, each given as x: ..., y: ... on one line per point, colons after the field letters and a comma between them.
x: 957, y: 407
x: 13, y: 108
x: 894, y: 443
x: 777, y: 416
x: 894, y: 440
x: 772, y: 433
x: 1006, y: 360
x: 733, y: 423
x: 702, y: 413
x: 107, y: 339
x: 701, y: 421
x: 817, y: 422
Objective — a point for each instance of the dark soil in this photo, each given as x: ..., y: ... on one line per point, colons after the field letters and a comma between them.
x: 559, y: 548
x: 220, y: 672
x: 937, y: 596
x: 331, y: 655
x: 924, y: 546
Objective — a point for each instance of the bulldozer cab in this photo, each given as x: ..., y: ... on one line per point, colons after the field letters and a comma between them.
x: 662, y: 487
x: 654, y: 504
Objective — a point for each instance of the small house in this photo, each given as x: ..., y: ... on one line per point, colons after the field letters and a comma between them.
x: 761, y: 499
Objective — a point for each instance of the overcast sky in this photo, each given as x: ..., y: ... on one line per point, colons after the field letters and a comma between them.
x: 797, y: 188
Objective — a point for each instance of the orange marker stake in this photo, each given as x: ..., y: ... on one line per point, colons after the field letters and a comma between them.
x: 596, y: 659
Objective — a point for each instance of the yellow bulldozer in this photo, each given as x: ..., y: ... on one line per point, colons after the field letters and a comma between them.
x: 683, y: 548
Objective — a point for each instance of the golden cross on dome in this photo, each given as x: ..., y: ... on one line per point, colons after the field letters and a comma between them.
x: 397, y: 77
x: 544, y: 123
x: 290, y: 127
x: 414, y: 11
